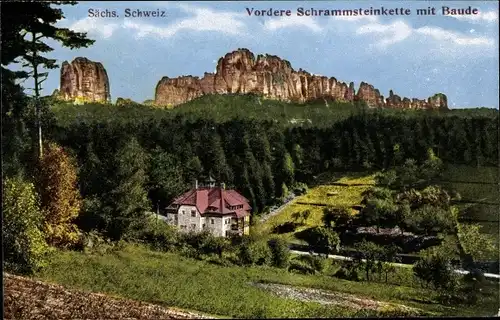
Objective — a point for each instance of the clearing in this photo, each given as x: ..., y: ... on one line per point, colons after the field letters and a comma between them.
x: 168, y: 279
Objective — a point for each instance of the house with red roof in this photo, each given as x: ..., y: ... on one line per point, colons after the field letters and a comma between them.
x: 210, y: 207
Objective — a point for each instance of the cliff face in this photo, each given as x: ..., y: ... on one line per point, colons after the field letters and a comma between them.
x: 85, y: 80
x: 274, y: 78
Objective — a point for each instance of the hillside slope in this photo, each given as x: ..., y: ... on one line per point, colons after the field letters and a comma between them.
x: 27, y: 299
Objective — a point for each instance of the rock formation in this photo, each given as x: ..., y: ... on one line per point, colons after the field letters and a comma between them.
x: 274, y: 78
x: 85, y: 80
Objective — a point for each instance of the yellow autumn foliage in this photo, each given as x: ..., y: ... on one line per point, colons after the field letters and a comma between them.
x: 60, y: 198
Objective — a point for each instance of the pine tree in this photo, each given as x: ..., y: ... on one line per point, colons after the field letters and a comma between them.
x: 27, y: 27
x: 216, y: 160
x: 165, y: 177
x: 126, y: 203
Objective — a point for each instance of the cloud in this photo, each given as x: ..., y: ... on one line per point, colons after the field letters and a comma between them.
x: 202, y: 19
x: 454, y: 37
x: 95, y: 27
x: 356, y: 18
x: 311, y: 22
x: 485, y: 16
x: 390, y: 33
x: 199, y: 19
x: 292, y: 21
x: 398, y: 31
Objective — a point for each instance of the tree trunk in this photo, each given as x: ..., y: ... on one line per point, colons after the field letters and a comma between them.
x: 37, y: 96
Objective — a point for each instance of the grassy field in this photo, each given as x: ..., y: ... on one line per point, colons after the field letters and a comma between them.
x: 171, y: 280
x: 316, y: 199
x: 477, y: 185
x: 25, y: 298
x: 480, y: 189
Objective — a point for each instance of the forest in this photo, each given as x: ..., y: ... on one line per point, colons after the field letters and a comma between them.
x: 80, y: 174
x: 259, y: 157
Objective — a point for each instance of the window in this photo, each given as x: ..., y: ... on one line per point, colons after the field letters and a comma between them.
x: 193, y: 213
x: 193, y: 226
x: 204, y: 226
x: 183, y: 227
x: 212, y: 221
x: 183, y: 211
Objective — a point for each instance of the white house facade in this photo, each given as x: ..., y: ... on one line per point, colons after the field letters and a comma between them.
x: 221, y: 211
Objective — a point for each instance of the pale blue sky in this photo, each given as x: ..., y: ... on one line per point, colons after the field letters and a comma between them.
x: 416, y: 56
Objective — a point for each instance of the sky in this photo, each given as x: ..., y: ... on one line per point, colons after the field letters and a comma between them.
x: 414, y: 55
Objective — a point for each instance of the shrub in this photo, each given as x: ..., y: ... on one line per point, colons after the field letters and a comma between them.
x: 317, y: 263
x: 349, y: 271
x: 280, y: 252
x: 188, y: 251
x: 300, y: 267
x: 204, y: 243
x: 300, y: 188
x: 159, y: 235
x: 25, y: 248
x: 436, y: 269
x: 472, y: 285
x: 197, y: 240
x: 94, y: 242
x: 258, y: 253
x: 322, y: 240
x: 286, y: 227
x: 215, y: 245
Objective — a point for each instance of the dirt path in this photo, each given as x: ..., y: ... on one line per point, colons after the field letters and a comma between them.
x: 277, y: 210
x: 331, y: 297
x: 27, y: 299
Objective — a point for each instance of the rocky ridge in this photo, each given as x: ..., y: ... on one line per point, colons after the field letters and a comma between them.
x: 84, y: 80
x: 274, y: 78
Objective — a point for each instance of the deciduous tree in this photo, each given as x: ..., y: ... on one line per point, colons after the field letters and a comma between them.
x: 24, y: 244
x: 60, y: 197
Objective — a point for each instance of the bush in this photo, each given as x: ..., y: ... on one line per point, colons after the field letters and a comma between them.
x: 472, y: 286
x: 349, y: 271
x: 280, y: 252
x: 258, y: 253
x: 285, y: 227
x: 317, y: 263
x: 300, y: 267
x: 188, y: 251
x: 197, y: 240
x: 95, y: 243
x: 321, y: 240
x: 215, y: 245
x: 155, y: 233
x: 25, y: 248
x: 435, y: 269
x: 300, y: 188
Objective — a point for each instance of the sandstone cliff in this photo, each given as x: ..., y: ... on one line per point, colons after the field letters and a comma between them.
x: 274, y: 78
x: 85, y: 80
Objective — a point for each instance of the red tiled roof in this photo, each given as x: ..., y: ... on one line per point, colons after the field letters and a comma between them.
x: 215, y: 200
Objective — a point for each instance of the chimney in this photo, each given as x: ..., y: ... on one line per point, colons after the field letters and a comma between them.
x: 196, y: 184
